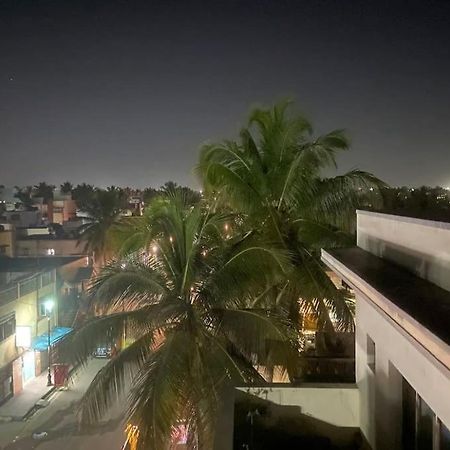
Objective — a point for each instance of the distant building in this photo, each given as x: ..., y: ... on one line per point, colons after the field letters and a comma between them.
x: 7, y: 239
x: 23, y: 218
x: 62, y: 208
x: 49, y: 245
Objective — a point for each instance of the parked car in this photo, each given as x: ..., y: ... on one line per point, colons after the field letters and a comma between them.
x: 103, y: 351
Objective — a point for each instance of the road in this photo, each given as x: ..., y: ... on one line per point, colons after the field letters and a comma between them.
x: 59, y: 420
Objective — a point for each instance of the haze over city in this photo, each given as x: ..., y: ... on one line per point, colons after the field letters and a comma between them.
x: 125, y: 93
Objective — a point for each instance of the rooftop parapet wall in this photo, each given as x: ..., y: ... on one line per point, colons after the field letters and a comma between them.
x: 421, y: 246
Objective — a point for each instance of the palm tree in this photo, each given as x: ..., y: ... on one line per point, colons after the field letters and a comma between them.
x: 66, y: 187
x: 83, y: 194
x: 23, y: 194
x: 186, y: 294
x: 103, y: 214
x: 274, y: 177
x: 44, y: 190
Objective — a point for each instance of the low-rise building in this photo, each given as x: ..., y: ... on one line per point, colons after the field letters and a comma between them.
x: 49, y: 245
x: 62, y: 208
x: 30, y: 292
x: 7, y: 239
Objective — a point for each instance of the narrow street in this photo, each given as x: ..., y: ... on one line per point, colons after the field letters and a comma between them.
x: 59, y: 421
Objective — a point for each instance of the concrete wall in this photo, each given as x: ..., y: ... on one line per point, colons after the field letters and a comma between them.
x: 39, y: 247
x: 422, y: 246
x: 403, y: 347
x: 26, y: 313
x: 329, y: 407
x: 7, y: 241
x: 396, y: 354
x: 7, y: 351
x: 335, y: 404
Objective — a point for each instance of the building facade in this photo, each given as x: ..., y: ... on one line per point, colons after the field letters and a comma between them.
x: 23, y: 317
x: 48, y: 245
x: 400, y: 273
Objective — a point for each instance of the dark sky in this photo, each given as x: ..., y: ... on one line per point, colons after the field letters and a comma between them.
x: 125, y: 92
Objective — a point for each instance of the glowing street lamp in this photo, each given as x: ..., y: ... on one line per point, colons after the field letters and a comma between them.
x: 48, y: 312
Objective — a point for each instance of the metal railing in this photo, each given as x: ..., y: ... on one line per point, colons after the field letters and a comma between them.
x: 25, y: 287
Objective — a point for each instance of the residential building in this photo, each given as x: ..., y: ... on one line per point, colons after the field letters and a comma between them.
x: 26, y: 287
x: 24, y: 217
x: 49, y: 245
x: 62, y: 208
x: 7, y: 239
x: 400, y: 273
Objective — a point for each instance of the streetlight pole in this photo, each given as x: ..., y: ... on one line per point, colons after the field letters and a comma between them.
x: 48, y: 310
x: 49, y: 375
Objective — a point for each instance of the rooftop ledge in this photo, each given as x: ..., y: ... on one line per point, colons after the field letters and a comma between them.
x: 419, y: 307
x: 405, y: 219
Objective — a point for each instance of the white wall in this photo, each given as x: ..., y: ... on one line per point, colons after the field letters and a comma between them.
x: 403, y: 347
x: 422, y: 246
x: 396, y: 354
x: 335, y: 404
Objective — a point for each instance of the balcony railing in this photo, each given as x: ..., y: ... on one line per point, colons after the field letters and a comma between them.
x: 26, y: 287
x: 320, y: 369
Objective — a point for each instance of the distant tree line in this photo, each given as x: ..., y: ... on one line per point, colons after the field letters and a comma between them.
x: 86, y: 195
x: 423, y: 202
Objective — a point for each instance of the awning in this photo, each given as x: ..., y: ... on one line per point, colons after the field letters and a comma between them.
x: 40, y: 343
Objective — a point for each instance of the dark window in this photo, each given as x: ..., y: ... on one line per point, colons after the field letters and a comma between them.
x: 444, y: 437
x: 371, y: 354
x: 409, y: 416
x: 424, y: 426
x: 7, y: 326
x: 6, y: 384
x: 42, y: 309
x: 46, y: 278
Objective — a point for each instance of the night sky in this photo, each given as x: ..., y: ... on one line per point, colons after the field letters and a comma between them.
x: 125, y: 92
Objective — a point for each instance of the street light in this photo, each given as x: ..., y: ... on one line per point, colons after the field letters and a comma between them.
x: 48, y: 311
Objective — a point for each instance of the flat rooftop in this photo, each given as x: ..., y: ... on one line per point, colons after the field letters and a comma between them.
x: 34, y: 264
x: 422, y: 300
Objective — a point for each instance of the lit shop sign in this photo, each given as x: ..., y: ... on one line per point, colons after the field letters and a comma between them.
x: 23, y: 337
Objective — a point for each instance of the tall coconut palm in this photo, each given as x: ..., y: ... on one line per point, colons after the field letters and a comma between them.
x: 275, y: 177
x: 103, y: 214
x: 186, y: 294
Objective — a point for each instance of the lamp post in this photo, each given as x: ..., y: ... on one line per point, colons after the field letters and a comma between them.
x: 48, y: 311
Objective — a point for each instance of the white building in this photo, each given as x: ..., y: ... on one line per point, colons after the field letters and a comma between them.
x: 400, y: 272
